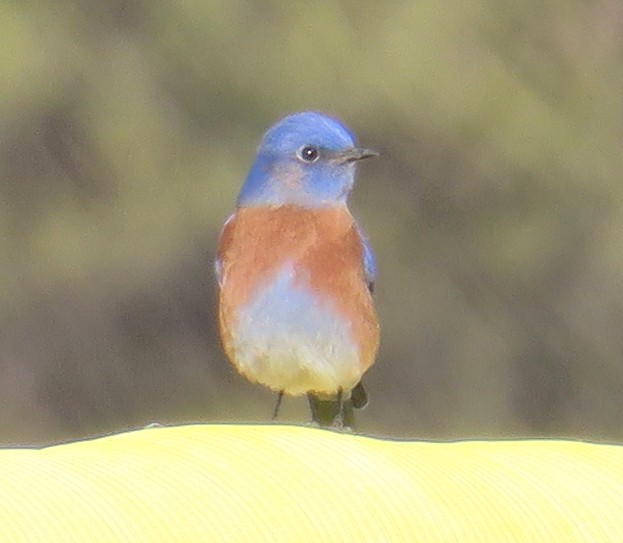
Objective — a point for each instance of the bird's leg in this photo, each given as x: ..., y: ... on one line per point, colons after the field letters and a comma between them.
x: 345, y: 417
x: 348, y: 416
x: 339, y: 418
x: 277, y: 405
x: 314, y: 407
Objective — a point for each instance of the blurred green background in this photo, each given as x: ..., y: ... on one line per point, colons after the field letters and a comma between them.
x: 496, y: 209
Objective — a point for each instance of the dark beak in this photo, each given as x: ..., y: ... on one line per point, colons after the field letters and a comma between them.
x: 354, y: 153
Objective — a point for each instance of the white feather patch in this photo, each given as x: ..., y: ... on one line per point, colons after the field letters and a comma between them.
x: 289, y: 339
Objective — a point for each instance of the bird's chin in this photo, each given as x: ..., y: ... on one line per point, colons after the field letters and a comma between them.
x: 346, y: 191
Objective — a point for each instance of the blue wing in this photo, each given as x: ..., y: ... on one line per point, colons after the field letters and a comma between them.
x: 218, y: 264
x: 369, y: 260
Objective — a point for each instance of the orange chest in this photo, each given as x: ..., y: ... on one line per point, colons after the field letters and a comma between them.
x: 322, y: 246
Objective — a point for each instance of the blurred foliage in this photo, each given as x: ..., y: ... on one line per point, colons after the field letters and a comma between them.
x: 496, y: 209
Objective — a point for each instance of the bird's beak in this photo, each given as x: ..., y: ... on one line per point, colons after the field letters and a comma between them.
x: 354, y: 153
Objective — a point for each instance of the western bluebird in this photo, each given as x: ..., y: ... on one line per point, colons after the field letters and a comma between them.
x: 295, y: 272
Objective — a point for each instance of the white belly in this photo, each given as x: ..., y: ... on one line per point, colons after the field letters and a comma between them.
x: 287, y: 339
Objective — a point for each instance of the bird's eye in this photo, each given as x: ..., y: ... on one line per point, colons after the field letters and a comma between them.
x: 308, y: 154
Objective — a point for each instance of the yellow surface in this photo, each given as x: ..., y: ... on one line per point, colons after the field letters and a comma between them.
x: 256, y: 483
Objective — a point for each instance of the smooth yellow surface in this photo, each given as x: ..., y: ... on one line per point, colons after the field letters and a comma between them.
x: 256, y: 483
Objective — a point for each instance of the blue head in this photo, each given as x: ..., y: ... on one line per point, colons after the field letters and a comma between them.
x: 306, y: 159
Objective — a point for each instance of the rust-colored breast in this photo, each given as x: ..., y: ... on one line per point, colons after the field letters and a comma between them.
x: 323, y: 246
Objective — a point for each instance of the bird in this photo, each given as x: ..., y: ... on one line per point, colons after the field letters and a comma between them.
x: 296, y: 273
